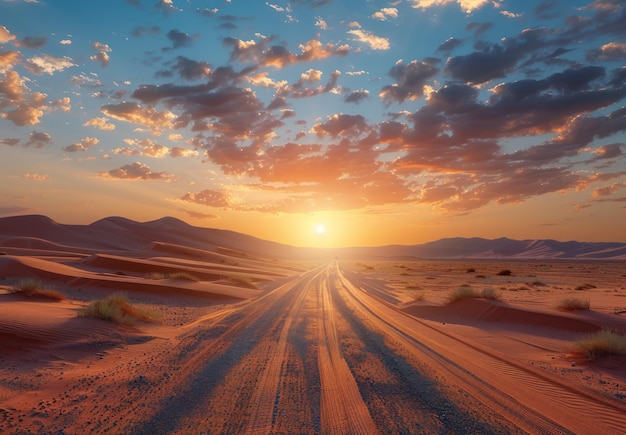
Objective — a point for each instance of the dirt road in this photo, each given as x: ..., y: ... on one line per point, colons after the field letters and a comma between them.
x: 324, y: 353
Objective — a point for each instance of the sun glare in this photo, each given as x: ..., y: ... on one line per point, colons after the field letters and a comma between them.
x: 320, y: 229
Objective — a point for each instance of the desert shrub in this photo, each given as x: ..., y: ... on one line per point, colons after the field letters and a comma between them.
x: 604, y: 342
x: 418, y: 295
x: 505, y: 272
x: 246, y: 281
x: 33, y: 288
x: 489, y: 293
x: 462, y: 292
x: 481, y: 276
x: 470, y: 270
x: 172, y: 275
x: 117, y: 309
x: 585, y: 287
x: 574, y: 304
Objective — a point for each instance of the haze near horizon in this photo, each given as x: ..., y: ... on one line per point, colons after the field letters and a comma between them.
x: 314, y: 123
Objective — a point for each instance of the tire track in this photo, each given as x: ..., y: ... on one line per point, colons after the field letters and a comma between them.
x: 511, y: 389
x: 342, y: 408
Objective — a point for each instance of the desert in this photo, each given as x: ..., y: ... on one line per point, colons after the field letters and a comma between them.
x: 241, y: 335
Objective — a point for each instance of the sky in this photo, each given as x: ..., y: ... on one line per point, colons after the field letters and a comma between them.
x: 319, y: 122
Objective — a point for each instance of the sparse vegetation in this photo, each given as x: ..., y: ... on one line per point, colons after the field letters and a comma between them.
x: 574, y: 304
x: 246, y: 281
x: 186, y: 276
x: 366, y: 266
x: 585, y: 287
x: 462, y: 292
x: 505, y: 272
x: 604, y: 342
x: 466, y: 291
x: 33, y: 288
x: 489, y: 293
x: 470, y: 270
x: 117, y: 309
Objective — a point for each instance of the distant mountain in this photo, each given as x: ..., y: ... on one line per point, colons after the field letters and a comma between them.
x: 117, y: 233
x: 503, y: 248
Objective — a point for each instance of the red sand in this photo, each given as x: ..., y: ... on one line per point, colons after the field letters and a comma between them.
x: 259, y: 345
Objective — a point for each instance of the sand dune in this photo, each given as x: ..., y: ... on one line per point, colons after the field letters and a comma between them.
x: 260, y: 342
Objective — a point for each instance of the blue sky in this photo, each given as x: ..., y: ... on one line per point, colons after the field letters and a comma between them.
x: 390, y: 122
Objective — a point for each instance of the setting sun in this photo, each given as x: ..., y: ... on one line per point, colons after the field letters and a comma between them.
x: 320, y: 229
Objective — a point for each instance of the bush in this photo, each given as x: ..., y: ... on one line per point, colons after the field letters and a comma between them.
x: 463, y: 292
x: 604, y: 342
x: 505, y: 272
x: 489, y: 293
x: 33, y: 288
x: 574, y: 304
x: 172, y: 275
x: 117, y: 309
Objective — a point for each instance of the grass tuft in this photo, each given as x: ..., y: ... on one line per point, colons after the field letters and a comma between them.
x: 604, y: 342
x: 574, y: 304
x: 186, y: 276
x: 117, y: 309
x: 491, y: 294
x: 33, y: 288
x: 462, y: 292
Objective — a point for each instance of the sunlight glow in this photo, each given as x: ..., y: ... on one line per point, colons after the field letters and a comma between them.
x: 320, y: 229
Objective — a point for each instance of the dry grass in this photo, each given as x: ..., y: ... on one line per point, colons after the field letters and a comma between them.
x: 186, y: 276
x: 604, y: 342
x: 33, y: 288
x: 246, y: 281
x: 467, y: 292
x: 505, y: 272
x: 574, y: 304
x: 117, y: 309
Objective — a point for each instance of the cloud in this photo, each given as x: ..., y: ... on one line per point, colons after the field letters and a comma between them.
x: 38, y: 140
x: 178, y: 39
x: 10, y: 141
x: 385, y: 14
x: 449, y: 45
x: 608, y: 190
x: 167, y: 7
x: 211, y: 198
x: 6, y: 35
x: 154, y: 120
x: 136, y: 171
x: 102, y: 55
x: 187, y: 69
x: 478, y: 28
x: 47, y: 64
x: 411, y: 79
x: 8, y: 59
x: 83, y: 145
x: 263, y: 54
x: 467, y: 5
x: 610, y: 51
x: 356, y: 96
x: 100, y: 124
x: 32, y: 42
x: 37, y: 177
x: 199, y: 215
x: 374, y: 42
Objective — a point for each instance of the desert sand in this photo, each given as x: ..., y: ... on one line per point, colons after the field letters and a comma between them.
x: 265, y: 341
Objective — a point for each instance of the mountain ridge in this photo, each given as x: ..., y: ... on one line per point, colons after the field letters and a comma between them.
x: 139, y: 235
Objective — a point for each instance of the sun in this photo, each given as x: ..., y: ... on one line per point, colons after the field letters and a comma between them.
x: 320, y: 229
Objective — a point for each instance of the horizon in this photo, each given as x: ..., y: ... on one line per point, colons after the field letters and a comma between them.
x: 313, y: 124
x: 310, y: 247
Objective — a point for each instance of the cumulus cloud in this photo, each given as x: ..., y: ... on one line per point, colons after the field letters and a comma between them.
x: 385, y: 14
x: 411, y: 79
x: 368, y: 38
x: 36, y: 177
x: 154, y: 120
x: 211, y: 198
x: 32, y: 42
x: 38, y: 139
x: 83, y: 145
x: 99, y: 123
x: 467, y: 5
x: 47, y: 64
x: 6, y: 35
x: 136, y: 171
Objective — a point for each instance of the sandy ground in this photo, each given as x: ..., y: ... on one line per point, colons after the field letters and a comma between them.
x: 258, y: 345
